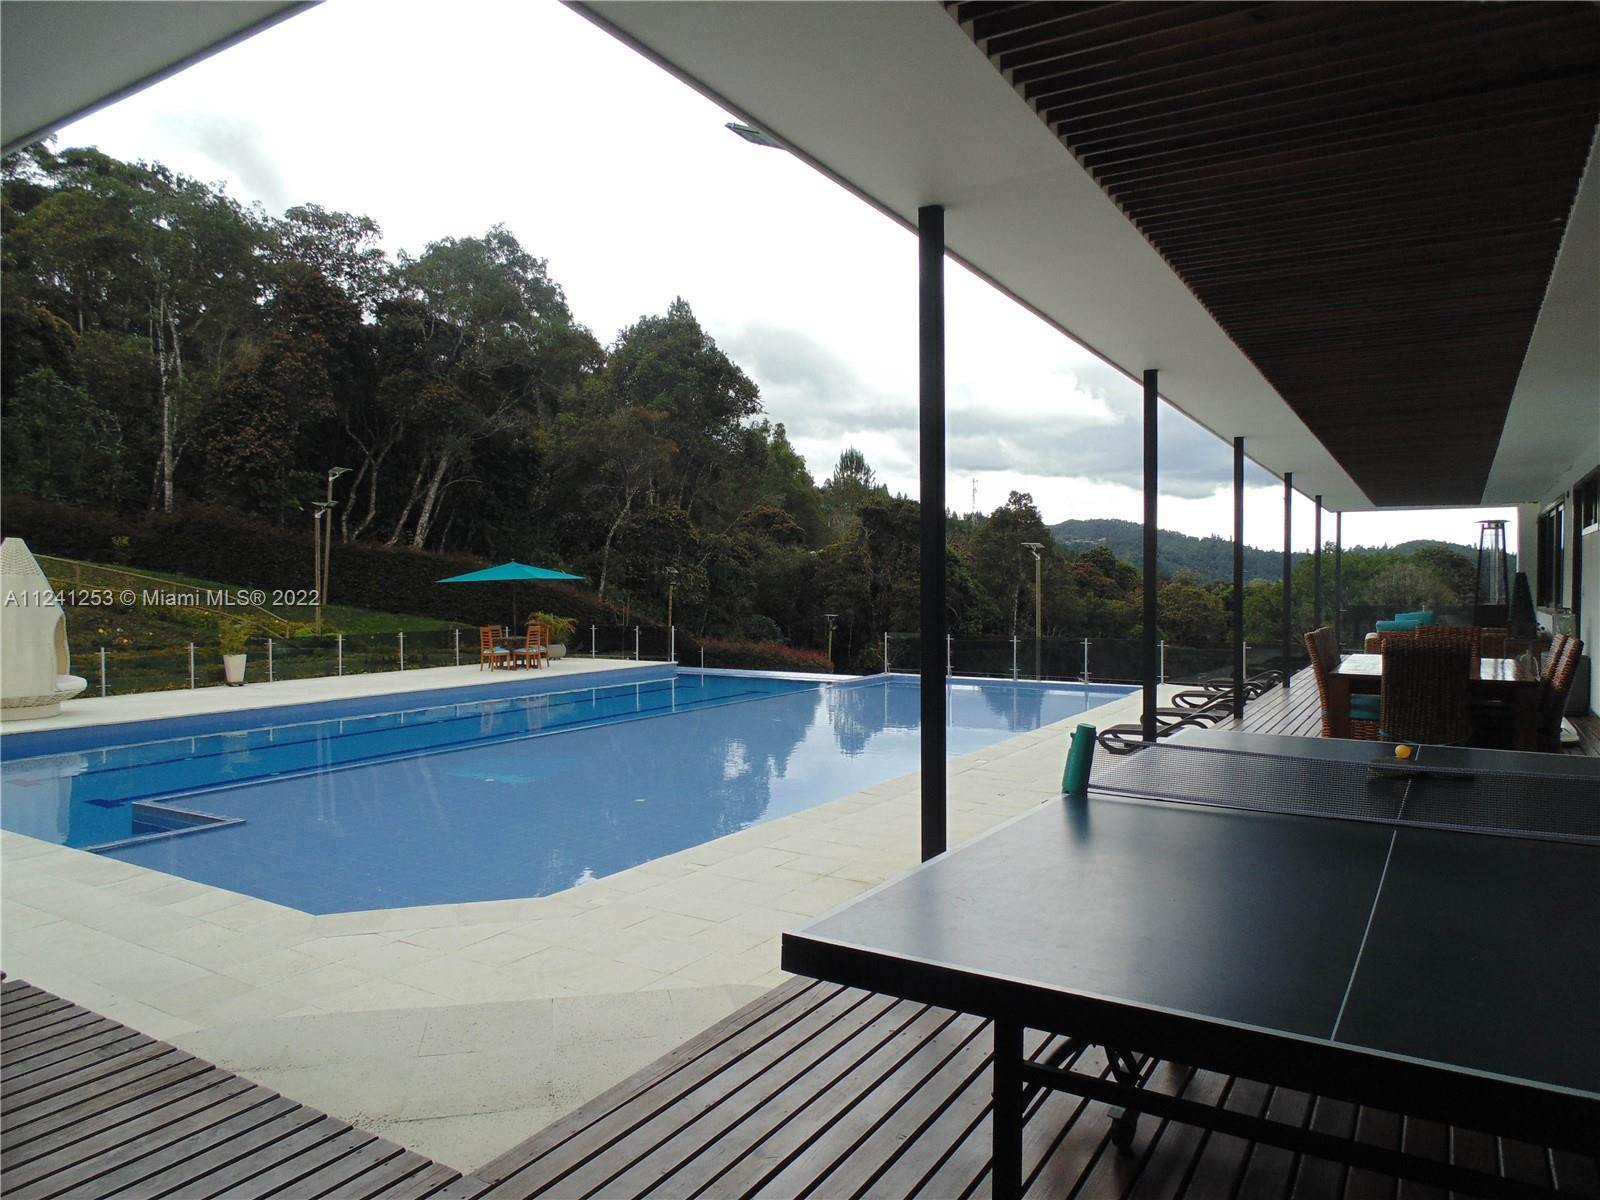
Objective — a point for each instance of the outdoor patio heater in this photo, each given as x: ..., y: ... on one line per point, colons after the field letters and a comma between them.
x: 1491, y: 602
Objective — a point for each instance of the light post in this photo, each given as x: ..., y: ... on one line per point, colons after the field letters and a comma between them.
x: 672, y: 582
x: 1038, y: 608
x: 833, y: 620
x: 318, y: 509
x: 326, y: 553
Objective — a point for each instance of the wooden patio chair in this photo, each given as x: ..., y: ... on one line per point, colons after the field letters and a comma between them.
x: 1426, y: 692
x: 535, y: 646
x: 491, y: 652
x: 1324, y: 653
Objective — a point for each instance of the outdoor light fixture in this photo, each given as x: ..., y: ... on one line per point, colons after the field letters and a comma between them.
x: 1038, y: 608
x: 322, y: 548
x: 833, y: 620
x: 753, y: 135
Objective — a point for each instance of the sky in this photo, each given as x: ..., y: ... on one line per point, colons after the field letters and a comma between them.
x: 626, y: 181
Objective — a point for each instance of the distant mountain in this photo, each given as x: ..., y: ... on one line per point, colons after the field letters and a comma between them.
x: 1211, y: 558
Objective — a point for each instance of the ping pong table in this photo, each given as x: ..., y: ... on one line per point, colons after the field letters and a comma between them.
x: 1420, y: 936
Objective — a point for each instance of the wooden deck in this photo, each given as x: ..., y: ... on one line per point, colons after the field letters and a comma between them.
x: 818, y: 1090
x: 1297, y: 712
x: 93, y: 1109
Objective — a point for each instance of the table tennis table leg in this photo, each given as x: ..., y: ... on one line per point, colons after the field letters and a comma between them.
x: 1125, y: 1069
x: 1006, y: 1161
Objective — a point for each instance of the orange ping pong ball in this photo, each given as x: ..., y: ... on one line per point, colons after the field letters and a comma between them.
x: 1402, y: 751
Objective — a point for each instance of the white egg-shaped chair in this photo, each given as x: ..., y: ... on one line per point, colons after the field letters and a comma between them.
x: 34, y: 664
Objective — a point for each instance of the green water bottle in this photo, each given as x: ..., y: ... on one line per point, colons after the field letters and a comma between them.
x: 1080, y: 756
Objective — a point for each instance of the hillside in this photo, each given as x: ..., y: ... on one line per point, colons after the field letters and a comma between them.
x: 1211, y: 558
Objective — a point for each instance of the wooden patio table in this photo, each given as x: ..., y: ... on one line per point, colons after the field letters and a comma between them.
x: 1504, y: 679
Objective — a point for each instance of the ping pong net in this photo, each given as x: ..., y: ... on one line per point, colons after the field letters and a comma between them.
x: 1520, y: 803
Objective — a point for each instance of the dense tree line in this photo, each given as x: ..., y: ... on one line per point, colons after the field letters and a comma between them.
x: 165, y: 346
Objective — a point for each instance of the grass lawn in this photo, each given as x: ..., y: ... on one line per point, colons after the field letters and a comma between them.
x: 147, y: 643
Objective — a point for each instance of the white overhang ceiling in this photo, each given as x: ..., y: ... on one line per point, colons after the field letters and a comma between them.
x: 60, y: 61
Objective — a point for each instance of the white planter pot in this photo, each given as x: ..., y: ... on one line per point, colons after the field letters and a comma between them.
x: 559, y: 650
x: 233, y: 669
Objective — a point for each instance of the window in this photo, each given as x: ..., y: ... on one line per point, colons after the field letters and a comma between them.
x: 1552, y: 555
x: 1586, y: 503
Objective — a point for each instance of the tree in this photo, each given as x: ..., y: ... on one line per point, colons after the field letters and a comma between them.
x: 1408, y: 585
x: 59, y: 444
x: 1190, y: 613
x: 852, y: 483
x: 671, y: 367
x: 341, y: 247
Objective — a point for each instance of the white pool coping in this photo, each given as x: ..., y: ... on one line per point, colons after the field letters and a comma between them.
x: 87, y: 711
x: 460, y: 1029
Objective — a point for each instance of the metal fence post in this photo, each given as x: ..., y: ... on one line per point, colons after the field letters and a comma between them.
x: 1014, y: 675
x: 402, y: 649
x: 1161, y: 670
x: 1086, y: 660
x: 635, y: 643
x: 339, y: 646
x: 458, y: 644
x: 592, y: 651
x: 672, y: 642
x: 102, y: 671
x: 886, y: 653
x: 191, y: 664
x: 269, y: 660
x: 949, y: 654
x: 702, y: 658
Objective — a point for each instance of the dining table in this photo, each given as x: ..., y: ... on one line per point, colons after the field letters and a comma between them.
x: 1510, y: 681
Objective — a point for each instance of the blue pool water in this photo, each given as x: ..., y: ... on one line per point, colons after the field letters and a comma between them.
x: 500, y: 797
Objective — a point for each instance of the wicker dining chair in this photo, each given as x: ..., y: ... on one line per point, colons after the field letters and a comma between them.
x: 1453, y: 635
x: 1323, y: 650
x: 1553, y: 695
x: 1426, y: 695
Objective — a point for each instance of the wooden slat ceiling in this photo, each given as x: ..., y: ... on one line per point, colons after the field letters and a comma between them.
x: 1368, y: 197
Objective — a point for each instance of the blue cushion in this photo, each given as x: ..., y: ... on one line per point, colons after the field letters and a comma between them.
x: 1395, y: 626
x: 1421, y: 616
x: 1365, y: 708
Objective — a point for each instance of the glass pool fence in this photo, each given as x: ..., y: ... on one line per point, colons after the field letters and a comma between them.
x: 114, y: 670
x: 119, y: 670
x: 1081, y: 660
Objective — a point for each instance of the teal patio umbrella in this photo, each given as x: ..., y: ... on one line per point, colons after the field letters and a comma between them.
x: 512, y: 573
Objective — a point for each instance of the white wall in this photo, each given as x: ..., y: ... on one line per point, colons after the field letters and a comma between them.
x: 1527, y: 560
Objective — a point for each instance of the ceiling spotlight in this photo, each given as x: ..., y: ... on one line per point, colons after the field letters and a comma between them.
x: 751, y: 134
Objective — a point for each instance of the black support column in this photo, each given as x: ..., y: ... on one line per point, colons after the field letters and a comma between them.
x: 1238, y: 577
x: 1288, y: 571
x: 1147, y: 667
x: 930, y: 370
x: 1338, y: 579
x: 1316, y: 567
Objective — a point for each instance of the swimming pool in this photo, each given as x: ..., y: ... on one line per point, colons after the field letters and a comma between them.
x: 330, y: 810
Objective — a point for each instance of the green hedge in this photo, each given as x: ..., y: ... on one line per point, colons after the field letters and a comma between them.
x: 222, y: 546
x: 761, y: 656
x: 215, y: 544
